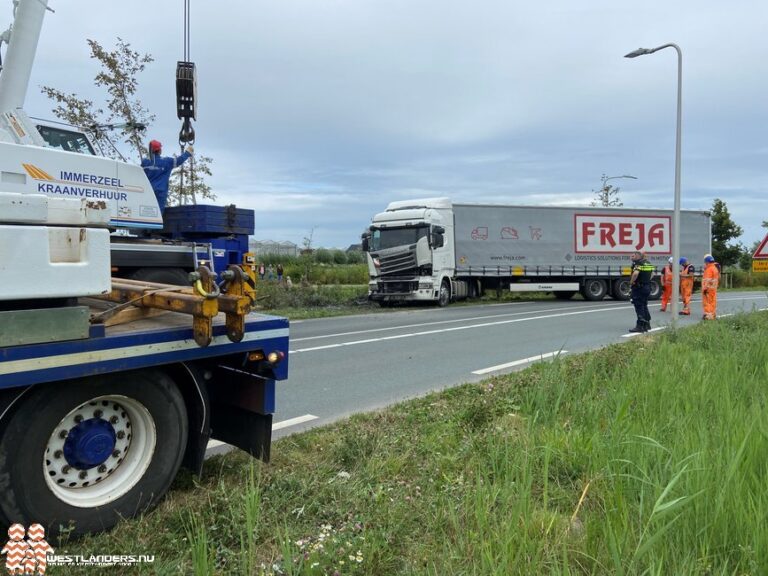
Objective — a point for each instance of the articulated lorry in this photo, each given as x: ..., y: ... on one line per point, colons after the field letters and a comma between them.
x: 108, y: 385
x: 434, y: 250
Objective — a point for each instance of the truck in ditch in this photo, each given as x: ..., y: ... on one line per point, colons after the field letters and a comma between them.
x: 434, y: 250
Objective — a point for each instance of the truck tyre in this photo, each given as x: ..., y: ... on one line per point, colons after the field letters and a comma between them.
x: 564, y: 294
x: 474, y: 289
x: 594, y: 289
x: 175, y: 276
x: 93, y: 451
x: 621, y: 289
x: 444, y: 297
x: 655, y: 289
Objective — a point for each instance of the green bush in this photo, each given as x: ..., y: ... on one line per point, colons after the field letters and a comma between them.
x: 272, y: 295
x: 746, y: 279
x: 323, y: 256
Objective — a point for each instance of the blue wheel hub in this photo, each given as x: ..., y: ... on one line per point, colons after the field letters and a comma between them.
x: 89, y: 443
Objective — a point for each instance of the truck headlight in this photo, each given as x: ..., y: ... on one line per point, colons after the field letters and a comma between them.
x: 425, y: 285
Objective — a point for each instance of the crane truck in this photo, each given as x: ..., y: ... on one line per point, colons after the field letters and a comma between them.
x: 435, y: 250
x: 97, y: 416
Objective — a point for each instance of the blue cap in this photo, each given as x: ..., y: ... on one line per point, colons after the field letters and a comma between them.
x: 683, y: 260
x: 708, y: 258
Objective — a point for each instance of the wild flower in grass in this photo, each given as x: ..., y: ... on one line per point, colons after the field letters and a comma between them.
x: 333, y: 549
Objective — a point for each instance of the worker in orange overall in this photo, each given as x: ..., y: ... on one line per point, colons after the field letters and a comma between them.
x: 709, y: 282
x: 666, y: 283
x: 686, y: 285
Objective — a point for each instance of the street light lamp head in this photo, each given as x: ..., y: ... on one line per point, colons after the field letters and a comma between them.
x: 628, y: 176
x: 638, y: 52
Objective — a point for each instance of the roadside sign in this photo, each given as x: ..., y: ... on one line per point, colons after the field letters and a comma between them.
x: 759, y: 265
x: 762, y: 250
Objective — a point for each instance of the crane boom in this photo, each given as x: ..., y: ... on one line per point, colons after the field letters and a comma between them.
x: 20, y: 56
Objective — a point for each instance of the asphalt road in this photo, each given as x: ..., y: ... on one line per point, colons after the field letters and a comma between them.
x: 340, y: 366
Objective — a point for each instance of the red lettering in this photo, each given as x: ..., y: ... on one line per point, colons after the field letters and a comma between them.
x: 640, y: 235
x: 587, y: 230
x: 625, y: 233
x: 606, y: 234
x: 656, y: 234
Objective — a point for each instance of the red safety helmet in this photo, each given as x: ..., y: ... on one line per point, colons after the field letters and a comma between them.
x: 155, y: 147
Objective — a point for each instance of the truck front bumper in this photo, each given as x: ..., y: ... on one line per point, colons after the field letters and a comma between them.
x: 401, y: 290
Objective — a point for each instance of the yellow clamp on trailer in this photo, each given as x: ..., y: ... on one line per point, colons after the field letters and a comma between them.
x: 203, y: 300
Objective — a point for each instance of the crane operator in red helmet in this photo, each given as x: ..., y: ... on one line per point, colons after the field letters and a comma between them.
x: 158, y: 169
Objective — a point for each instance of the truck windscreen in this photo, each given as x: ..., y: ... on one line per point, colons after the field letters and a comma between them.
x: 382, y: 238
x: 67, y: 140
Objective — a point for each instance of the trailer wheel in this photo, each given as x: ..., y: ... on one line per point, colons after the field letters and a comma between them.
x: 655, y: 289
x: 175, y: 276
x: 475, y: 290
x: 444, y: 297
x: 621, y: 289
x: 594, y: 289
x: 92, y: 452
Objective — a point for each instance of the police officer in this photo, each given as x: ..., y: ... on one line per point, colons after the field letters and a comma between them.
x: 640, y: 281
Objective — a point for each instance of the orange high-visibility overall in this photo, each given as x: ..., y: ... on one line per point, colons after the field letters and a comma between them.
x: 666, y: 281
x: 709, y: 283
x: 686, y: 287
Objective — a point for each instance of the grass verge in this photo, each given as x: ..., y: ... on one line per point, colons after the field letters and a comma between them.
x: 648, y: 457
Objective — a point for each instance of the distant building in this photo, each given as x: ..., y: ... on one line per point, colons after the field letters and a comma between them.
x: 355, y: 248
x: 270, y: 247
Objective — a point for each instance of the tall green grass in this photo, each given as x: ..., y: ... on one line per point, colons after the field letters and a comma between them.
x: 649, y: 457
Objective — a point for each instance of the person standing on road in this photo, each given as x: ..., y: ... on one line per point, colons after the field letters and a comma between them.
x: 666, y: 282
x: 686, y: 285
x: 709, y: 283
x: 640, y: 282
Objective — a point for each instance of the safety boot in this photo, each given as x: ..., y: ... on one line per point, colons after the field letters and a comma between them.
x: 638, y: 329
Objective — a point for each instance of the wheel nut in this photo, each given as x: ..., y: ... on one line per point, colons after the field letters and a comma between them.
x: 121, y: 435
x: 83, y: 475
x: 66, y: 469
x: 78, y: 418
x: 116, y: 453
x: 63, y: 434
x: 102, y: 469
x: 97, y: 413
x: 58, y: 454
x: 114, y: 420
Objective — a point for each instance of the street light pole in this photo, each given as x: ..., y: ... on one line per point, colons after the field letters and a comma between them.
x: 676, y: 214
x: 605, y: 179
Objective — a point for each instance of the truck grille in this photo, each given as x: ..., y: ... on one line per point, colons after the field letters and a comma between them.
x: 398, y: 264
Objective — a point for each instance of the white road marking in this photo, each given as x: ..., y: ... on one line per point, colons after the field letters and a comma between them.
x: 436, y: 323
x: 457, y: 328
x: 633, y: 334
x: 293, y: 421
x: 618, y: 306
x: 519, y: 362
x: 275, y: 426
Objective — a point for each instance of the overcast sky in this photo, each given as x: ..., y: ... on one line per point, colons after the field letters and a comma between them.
x: 318, y: 113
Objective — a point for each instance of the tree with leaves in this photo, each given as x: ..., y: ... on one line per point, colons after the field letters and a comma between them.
x: 124, y: 111
x: 125, y: 116
x: 724, y: 229
x: 187, y: 183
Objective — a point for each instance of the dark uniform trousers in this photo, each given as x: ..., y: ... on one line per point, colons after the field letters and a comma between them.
x: 640, y: 293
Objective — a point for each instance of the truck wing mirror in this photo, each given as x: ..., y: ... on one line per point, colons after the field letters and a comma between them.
x: 365, y: 238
